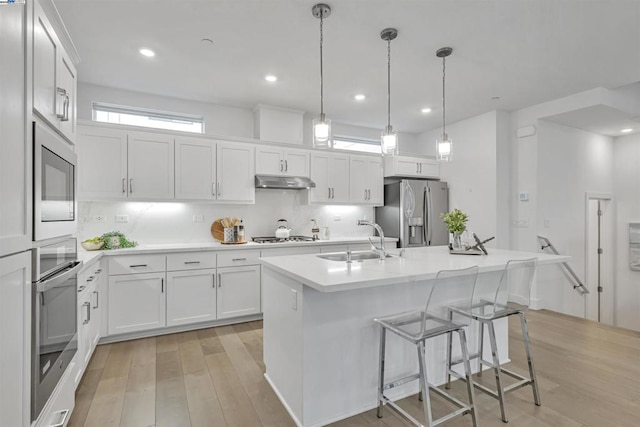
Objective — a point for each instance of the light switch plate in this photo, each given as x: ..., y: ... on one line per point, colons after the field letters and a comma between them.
x: 122, y: 218
x: 198, y: 218
x: 99, y: 218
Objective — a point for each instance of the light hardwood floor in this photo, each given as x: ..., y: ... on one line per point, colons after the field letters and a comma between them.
x: 589, y: 375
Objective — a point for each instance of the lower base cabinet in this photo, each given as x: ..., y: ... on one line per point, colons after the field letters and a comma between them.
x: 136, y: 302
x: 238, y: 291
x: 191, y: 296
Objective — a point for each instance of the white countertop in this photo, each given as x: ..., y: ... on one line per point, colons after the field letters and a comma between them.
x: 89, y: 257
x: 417, y: 264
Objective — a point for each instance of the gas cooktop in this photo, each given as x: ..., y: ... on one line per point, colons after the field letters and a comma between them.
x: 273, y: 239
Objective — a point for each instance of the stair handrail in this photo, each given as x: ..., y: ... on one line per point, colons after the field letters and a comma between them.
x: 579, y: 286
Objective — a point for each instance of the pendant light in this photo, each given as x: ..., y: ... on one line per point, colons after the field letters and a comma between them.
x: 321, y: 126
x: 389, y: 139
x: 444, y: 146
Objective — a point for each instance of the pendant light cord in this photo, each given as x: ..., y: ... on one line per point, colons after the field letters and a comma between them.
x: 389, y: 82
x: 321, y: 74
x: 444, y: 131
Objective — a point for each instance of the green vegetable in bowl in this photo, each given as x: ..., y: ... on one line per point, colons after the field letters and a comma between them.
x: 123, y: 242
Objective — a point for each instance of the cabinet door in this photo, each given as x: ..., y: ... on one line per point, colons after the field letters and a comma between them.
x: 238, y: 291
x: 191, y: 296
x: 429, y: 168
x: 15, y: 302
x: 235, y: 169
x: 136, y: 302
x: 340, y: 178
x: 150, y: 166
x: 358, y: 179
x: 195, y: 169
x: 296, y: 162
x: 102, y: 163
x: 407, y: 166
x: 375, y: 175
x: 85, y: 319
x: 67, y: 82
x: 45, y: 54
x: 269, y: 161
x: 320, y: 167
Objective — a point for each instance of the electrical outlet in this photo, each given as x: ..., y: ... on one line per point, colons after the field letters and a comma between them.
x: 122, y: 218
x: 337, y: 218
x: 520, y: 222
x: 99, y: 218
x: 198, y: 218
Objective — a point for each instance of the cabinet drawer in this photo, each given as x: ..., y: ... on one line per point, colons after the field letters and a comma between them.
x: 236, y: 258
x: 191, y: 261
x: 58, y: 410
x: 132, y: 264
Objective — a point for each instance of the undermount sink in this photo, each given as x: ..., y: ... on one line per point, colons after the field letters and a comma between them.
x: 355, y: 256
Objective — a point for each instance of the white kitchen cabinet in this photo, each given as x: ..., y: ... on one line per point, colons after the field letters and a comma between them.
x: 330, y: 172
x: 54, y: 77
x: 102, y: 163
x: 15, y: 339
x: 191, y: 296
x: 150, y: 166
x: 282, y: 161
x: 406, y: 166
x: 85, y: 320
x: 235, y: 173
x: 366, y: 181
x: 238, y: 291
x: 209, y: 170
x: 90, y: 287
x: 136, y: 302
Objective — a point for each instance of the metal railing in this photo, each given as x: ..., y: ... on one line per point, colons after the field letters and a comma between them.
x: 578, y: 285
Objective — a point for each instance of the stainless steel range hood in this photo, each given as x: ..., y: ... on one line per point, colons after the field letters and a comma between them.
x: 287, y: 182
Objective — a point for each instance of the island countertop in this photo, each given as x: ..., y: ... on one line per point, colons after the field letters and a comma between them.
x: 417, y: 264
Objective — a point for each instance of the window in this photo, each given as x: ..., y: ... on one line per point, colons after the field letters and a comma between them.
x: 364, y: 145
x: 110, y: 113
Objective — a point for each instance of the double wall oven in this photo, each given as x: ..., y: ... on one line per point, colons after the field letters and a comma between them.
x: 55, y: 265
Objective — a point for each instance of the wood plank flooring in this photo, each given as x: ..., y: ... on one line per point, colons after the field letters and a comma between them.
x: 589, y: 375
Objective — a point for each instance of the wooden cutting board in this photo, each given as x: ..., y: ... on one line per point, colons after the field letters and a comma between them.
x: 217, y: 230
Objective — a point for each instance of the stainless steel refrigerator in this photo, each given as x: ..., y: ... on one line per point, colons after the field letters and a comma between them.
x: 412, y: 212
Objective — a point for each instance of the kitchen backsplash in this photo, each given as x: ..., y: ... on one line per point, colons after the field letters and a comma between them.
x: 173, y: 222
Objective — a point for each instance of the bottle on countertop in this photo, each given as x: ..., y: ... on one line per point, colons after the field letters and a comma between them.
x: 241, y: 232
x: 315, y: 230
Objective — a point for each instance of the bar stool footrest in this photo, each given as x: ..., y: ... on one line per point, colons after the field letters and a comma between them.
x: 401, y: 381
x: 463, y: 408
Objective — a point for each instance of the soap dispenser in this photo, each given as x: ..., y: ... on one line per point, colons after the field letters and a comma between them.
x: 315, y: 230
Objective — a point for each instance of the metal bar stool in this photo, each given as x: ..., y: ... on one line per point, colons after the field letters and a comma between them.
x: 417, y: 327
x: 510, y: 296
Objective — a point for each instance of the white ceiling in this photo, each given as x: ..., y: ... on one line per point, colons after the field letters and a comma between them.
x: 525, y: 52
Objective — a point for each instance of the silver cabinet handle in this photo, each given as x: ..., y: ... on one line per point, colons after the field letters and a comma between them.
x: 281, y: 165
x: 329, y: 195
x: 90, y: 279
x: 130, y: 185
x: 219, y: 189
x: 124, y: 185
x: 98, y: 271
x: 88, y: 306
x: 192, y: 262
x: 65, y: 117
x: 420, y: 167
x: 97, y: 299
x: 213, y: 188
x: 81, y: 288
x: 333, y: 192
x: 61, y: 93
x: 219, y: 280
x: 213, y: 277
x: 286, y: 166
x: 238, y: 259
x: 417, y: 167
x: 162, y: 285
x: 63, y: 418
x: 365, y: 194
x: 137, y: 265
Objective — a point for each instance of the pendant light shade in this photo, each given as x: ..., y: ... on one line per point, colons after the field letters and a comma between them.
x: 389, y: 138
x: 444, y: 145
x: 321, y: 125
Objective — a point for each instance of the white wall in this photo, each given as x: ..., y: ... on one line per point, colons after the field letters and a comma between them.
x: 626, y: 176
x: 155, y: 223
x: 570, y: 163
x: 478, y: 175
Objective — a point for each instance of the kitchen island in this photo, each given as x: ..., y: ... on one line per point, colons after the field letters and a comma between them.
x: 320, y: 341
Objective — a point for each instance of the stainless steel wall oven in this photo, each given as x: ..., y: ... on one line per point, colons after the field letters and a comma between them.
x: 53, y: 323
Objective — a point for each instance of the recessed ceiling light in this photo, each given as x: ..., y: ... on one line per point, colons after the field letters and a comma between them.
x: 626, y: 130
x: 425, y: 110
x: 271, y: 78
x: 359, y: 97
x: 147, y: 52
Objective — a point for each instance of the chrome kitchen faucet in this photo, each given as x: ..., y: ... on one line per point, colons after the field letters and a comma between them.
x: 378, y: 250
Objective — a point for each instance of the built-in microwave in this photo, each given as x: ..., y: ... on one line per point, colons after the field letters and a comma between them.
x: 54, y: 185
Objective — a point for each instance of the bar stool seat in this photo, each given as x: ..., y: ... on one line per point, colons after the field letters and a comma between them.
x: 514, y: 284
x: 416, y: 327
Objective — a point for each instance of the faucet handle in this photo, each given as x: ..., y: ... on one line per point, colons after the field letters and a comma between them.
x: 374, y: 247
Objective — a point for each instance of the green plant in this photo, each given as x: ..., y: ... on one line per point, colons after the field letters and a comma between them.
x: 456, y: 221
x: 124, y: 243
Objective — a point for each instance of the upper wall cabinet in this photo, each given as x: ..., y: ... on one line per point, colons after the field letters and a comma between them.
x: 115, y: 164
x: 209, y: 170
x: 282, y: 161
x: 330, y: 172
x: 406, y: 166
x: 366, y: 183
x: 54, y: 77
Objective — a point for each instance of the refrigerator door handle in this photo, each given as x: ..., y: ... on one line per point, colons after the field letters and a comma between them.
x: 430, y: 215
x: 426, y: 221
